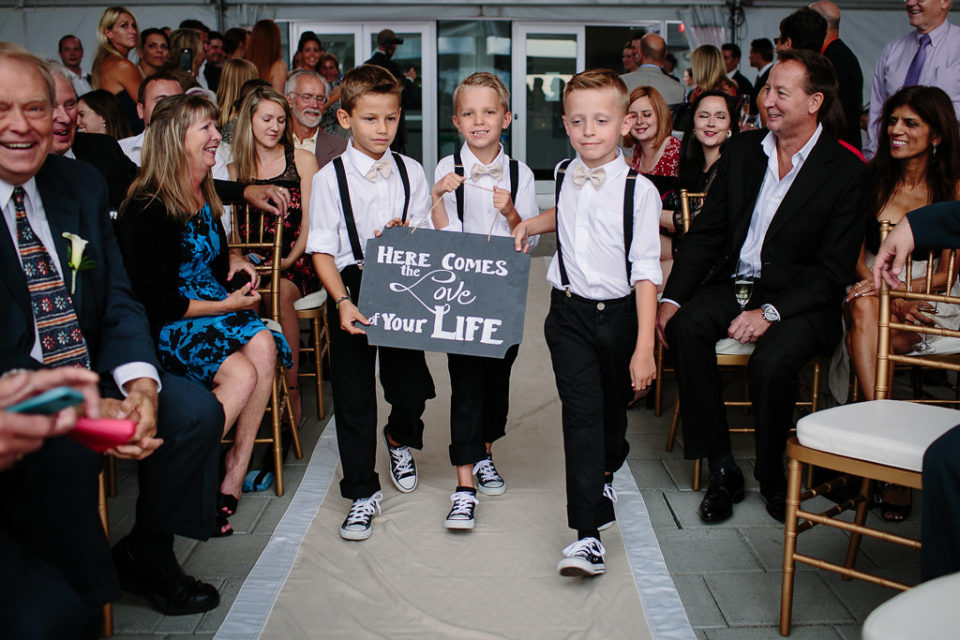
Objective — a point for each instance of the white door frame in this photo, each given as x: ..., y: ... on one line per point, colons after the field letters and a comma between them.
x: 518, y: 73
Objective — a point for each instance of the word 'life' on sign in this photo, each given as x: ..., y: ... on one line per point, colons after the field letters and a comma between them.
x: 442, y: 291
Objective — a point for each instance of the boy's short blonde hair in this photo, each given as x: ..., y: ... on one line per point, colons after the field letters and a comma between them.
x: 598, y: 79
x: 367, y: 78
x: 483, y: 79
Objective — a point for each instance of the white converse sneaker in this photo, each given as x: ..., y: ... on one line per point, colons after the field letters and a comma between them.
x: 403, y: 470
x: 489, y: 482
x: 461, y: 514
x: 359, y: 521
x: 610, y: 495
x: 583, y: 558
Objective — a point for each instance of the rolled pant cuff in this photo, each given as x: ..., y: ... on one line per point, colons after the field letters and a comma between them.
x: 357, y: 491
x: 414, y: 441
x: 467, y: 453
x: 579, y: 518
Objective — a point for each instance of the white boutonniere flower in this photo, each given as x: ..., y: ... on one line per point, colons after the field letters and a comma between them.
x: 75, y: 258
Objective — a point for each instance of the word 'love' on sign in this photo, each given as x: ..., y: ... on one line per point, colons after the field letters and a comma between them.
x: 443, y: 291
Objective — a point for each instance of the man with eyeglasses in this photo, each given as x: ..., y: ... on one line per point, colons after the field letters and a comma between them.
x: 306, y: 91
x: 929, y: 55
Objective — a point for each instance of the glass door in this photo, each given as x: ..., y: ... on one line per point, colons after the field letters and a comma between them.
x: 545, y: 57
x: 340, y: 39
x: 419, y: 53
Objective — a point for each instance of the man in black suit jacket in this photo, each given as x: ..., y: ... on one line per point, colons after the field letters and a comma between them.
x: 849, y: 75
x: 761, y: 59
x: 387, y: 42
x: 731, y: 58
x: 49, y: 511
x: 783, y: 211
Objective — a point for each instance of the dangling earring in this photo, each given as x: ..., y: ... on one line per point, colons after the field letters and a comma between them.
x: 729, y: 133
x: 933, y: 151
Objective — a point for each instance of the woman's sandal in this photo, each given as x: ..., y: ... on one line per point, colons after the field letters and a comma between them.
x: 890, y: 511
x: 226, y: 504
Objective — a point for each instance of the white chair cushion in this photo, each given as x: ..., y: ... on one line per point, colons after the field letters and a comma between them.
x: 927, y: 612
x: 313, y: 300
x: 891, y: 432
x: 730, y: 347
x: 273, y: 326
x: 940, y: 346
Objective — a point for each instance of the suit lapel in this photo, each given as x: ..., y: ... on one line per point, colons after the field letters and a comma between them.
x: 62, y: 215
x: 805, y: 185
x: 13, y: 277
x: 754, y: 169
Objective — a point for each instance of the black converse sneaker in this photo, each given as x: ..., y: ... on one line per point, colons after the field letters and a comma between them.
x: 461, y: 514
x: 610, y: 495
x: 358, y: 524
x: 489, y: 482
x: 403, y: 470
x: 583, y: 558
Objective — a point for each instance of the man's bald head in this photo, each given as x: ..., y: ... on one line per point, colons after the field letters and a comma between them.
x: 830, y: 13
x: 653, y: 49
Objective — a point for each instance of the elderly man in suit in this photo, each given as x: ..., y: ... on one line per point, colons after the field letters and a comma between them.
x: 57, y: 315
x: 650, y: 73
x: 306, y: 91
x: 782, y: 212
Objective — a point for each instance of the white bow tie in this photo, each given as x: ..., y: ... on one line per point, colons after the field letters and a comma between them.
x: 494, y: 171
x: 382, y: 167
x: 596, y: 176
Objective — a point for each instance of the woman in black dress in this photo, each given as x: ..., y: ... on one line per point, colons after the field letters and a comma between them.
x: 263, y: 153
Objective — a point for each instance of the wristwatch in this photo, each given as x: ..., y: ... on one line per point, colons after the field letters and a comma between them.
x: 770, y: 314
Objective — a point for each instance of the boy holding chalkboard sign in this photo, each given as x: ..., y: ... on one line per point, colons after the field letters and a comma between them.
x: 485, y: 192
x: 360, y: 192
x: 600, y: 328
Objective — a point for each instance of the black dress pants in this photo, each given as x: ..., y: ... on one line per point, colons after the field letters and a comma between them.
x: 940, y: 533
x: 407, y: 385
x: 779, y: 355
x: 479, y: 403
x: 591, y: 343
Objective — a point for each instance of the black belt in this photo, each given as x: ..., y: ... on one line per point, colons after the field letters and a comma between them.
x: 599, y: 305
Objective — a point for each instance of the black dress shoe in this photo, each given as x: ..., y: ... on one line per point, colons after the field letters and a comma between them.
x: 776, y: 503
x: 726, y: 488
x: 171, y: 591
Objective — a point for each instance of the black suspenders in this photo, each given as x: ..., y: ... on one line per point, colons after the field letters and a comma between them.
x: 628, y: 191
x: 348, y: 207
x: 458, y: 169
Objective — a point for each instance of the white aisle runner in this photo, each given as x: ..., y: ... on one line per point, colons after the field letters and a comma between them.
x: 415, y: 579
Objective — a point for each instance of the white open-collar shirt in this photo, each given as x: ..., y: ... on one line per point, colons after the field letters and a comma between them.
x: 590, y: 230
x: 374, y: 203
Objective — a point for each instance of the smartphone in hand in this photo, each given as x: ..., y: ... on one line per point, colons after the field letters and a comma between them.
x: 49, y: 402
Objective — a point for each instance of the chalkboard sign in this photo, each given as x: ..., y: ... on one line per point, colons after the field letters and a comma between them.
x: 442, y: 291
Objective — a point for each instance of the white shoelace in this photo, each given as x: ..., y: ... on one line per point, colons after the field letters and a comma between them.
x: 585, y: 547
x: 363, y: 509
x: 486, y: 471
x: 609, y: 492
x: 463, y: 502
x: 402, y: 460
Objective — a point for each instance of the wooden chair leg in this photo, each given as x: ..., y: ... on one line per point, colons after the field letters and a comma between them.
x: 291, y: 420
x: 815, y: 391
x: 789, y: 546
x: 859, y: 519
x: 275, y: 421
x: 318, y: 363
x: 107, y: 610
x: 674, y: 422
x: 111, y: 476
x: 658, y: 384
x: 697, y: 469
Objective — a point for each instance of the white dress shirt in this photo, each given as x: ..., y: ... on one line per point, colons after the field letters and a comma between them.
x: 80, y: 83
x: 764, y: 69
x: 307, y: 144
x: 940, y: 69
x: 590, y: 229
x: 37, y: 218
x: 479, y: 214
x: 772, y: 192
x: 374, y: 203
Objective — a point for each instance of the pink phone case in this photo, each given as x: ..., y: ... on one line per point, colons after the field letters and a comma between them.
x: 102, y: 434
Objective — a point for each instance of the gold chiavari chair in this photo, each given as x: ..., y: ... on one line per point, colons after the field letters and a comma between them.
x: 250, y: 234
x: 311, y: 308
x: 730, y: 354
x: 881, y: 440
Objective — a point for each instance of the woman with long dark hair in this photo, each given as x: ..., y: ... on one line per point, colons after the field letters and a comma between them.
x: 263, y: 50
x: 99, y: 111
x: 917, y: 163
